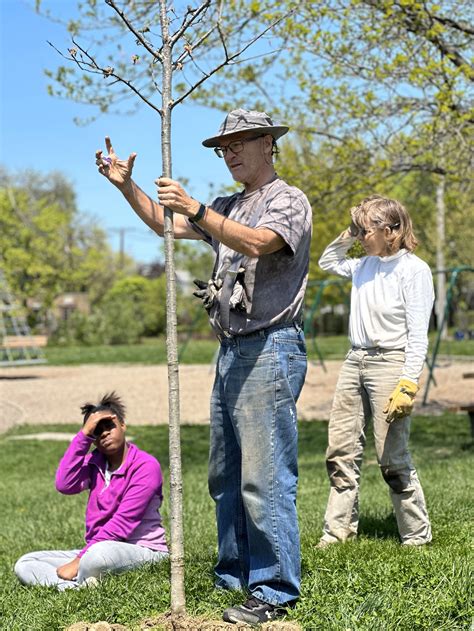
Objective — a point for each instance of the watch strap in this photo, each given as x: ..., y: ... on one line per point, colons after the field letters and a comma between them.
x: 199, y: 215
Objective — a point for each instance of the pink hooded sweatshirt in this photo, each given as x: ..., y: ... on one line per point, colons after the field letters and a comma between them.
x: 126, y: 510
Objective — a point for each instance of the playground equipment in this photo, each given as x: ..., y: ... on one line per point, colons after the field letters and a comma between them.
x: 453, y: 278
x: 342, y: 287
x: 309, y: 326
x: 17, y: 345
x: 198, y: 319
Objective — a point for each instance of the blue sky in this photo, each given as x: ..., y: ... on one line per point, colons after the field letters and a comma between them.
x: 38, y: 132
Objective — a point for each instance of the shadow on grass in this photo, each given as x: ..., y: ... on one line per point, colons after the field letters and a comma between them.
x: 377, y: 527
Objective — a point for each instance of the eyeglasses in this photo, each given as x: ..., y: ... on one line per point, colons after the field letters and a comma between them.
x: 236, y: 147
x: 106, y: 424
x: 367, y: 232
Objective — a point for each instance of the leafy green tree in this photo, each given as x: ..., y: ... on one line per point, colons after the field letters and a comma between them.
x: 132, y: 308
x: 392, y: 75
x: 369, y: 67
x: 46, y: 247
x: 395, y: 75
x: 146, y: 298
x: 338, y: 177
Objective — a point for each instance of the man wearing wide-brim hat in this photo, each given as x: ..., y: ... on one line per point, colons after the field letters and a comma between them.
x: 261, y: 237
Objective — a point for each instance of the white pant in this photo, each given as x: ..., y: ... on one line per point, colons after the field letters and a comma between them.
x: 365, y: 383
x: 39, y: 568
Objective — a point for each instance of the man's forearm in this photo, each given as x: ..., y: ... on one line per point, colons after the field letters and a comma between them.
x: 152, y: 213
x: 251, y: 242
x: 148, y: 210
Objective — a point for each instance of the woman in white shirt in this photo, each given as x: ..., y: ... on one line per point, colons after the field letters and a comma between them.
x: 391, y: 301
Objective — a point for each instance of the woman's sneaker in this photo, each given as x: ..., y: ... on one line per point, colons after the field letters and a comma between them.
x: 253, y: 611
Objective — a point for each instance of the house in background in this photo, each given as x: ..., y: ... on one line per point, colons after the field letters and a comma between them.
x: 65, y: 304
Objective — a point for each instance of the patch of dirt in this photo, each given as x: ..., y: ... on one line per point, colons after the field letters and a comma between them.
x: 168, y: 622
x: 96, y: 626
x: 54, y: 394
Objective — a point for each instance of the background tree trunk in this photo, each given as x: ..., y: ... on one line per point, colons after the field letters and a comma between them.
x: 440, y: 259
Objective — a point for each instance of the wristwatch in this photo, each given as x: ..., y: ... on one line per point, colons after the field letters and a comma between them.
x: 199, y: 215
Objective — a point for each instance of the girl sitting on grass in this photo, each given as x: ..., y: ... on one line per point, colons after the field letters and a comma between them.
x: 391, y: 301
x: 123, y: 523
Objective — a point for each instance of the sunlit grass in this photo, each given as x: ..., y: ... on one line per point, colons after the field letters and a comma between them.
x: 372, y: 584
x: 202, y: 351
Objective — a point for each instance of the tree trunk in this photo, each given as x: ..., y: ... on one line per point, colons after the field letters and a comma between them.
x: 440, y: 261
x: 178, y: 601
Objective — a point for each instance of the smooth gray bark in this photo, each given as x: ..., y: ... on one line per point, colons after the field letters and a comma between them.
x: 178, y: 599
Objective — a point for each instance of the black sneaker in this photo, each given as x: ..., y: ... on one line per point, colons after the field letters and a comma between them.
x: 253, y: 611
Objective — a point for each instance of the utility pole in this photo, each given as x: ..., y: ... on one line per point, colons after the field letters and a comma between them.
x: 122, y: 232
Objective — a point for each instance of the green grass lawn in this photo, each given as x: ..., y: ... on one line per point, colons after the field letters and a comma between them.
x: 153, y: 351
x: 372, y: 584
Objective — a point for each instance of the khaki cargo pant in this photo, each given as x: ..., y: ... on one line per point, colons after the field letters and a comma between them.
x: 365, y: 383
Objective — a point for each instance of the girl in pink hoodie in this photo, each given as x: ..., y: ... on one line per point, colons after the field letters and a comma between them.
x: 123, y: 523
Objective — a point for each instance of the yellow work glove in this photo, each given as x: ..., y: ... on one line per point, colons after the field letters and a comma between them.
x: 401, y: 400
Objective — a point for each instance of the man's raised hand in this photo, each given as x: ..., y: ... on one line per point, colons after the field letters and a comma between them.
x: 117, y: 171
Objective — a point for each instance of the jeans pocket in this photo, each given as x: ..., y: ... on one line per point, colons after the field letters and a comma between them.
x: 297, y: 367
x: 254, y: 348
x: 393, y: 357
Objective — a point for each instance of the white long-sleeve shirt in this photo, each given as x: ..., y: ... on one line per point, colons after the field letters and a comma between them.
x: 391, y: 300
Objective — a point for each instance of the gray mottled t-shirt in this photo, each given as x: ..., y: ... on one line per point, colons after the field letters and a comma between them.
x: 273, y: 284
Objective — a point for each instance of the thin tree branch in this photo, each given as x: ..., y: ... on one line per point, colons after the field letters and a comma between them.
x: 187, y: 23
x: 93, y: 67
x: 247, y: 59
x: 459, y: 25
x: 317, y: 132
x: 424, y: 168
x: 188, y: 48
x: 154, y: 53
x: 229, y: 58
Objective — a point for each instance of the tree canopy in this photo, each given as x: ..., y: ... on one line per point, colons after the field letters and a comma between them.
x: 373, y: 90
x: 46, y: 246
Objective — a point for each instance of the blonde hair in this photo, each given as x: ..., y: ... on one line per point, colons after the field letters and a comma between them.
x: 384, y: 212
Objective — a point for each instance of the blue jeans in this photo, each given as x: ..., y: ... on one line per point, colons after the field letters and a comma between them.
x: 253, y: 470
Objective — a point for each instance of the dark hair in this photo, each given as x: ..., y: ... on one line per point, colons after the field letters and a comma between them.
x: 110, y: 402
